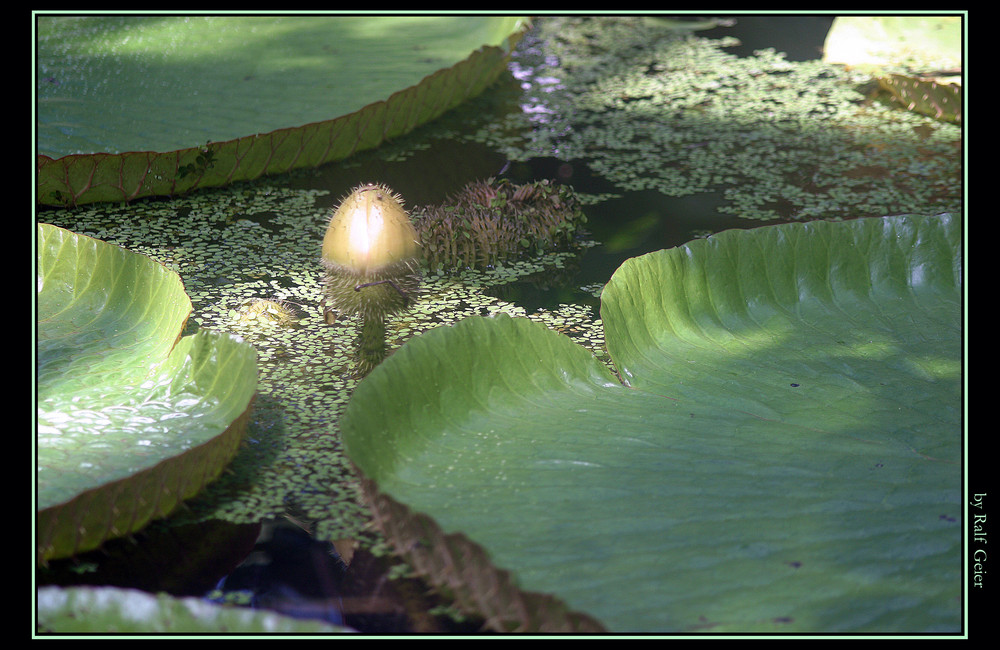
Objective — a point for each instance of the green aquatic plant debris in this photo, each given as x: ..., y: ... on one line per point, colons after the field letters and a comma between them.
x: 281, y: 313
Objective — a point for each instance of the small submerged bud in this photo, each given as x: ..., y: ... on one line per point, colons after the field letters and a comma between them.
x: 265, y: 311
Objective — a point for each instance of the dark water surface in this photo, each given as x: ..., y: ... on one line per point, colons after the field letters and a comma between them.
x: 801, y: 38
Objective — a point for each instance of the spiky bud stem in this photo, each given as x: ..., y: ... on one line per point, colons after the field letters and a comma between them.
x: 371, y: 344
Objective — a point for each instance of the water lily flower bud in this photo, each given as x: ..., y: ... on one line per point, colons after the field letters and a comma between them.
x: 371, y: 256
x: 370, y: 230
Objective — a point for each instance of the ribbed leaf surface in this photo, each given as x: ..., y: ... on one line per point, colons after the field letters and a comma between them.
x: 786, y: 456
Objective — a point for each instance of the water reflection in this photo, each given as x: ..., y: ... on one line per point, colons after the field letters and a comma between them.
x: 288, y: 572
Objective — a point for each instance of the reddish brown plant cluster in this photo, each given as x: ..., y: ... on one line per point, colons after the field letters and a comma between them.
x: 490, y: 221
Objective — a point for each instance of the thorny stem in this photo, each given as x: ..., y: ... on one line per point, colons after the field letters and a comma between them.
x: 371, y: 343
x: 395, y: 286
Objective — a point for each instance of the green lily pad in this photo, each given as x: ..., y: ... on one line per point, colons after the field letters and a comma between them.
x: 915, y: 42
x: 132, y: 419
x: 783, y: 454
x: 108, y: 610
x: 133, y: 106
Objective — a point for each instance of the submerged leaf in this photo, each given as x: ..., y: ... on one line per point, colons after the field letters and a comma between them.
x: 927, y: 97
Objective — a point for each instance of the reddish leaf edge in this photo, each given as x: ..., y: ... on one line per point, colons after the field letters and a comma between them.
x: 462, y: 570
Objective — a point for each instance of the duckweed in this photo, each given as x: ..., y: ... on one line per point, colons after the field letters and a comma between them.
x: 647, y: 107
x: 250, y: 260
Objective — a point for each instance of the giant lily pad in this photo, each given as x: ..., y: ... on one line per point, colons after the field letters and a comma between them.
x: 132, y: 106
x: 108, y: 610
x: 132, y: 418
x: 921, y: 42
x: 782, y: 454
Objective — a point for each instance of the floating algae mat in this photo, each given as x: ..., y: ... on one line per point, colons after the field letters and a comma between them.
x: 651, y: 108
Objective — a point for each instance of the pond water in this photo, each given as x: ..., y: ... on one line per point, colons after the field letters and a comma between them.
x: 340, y: 580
